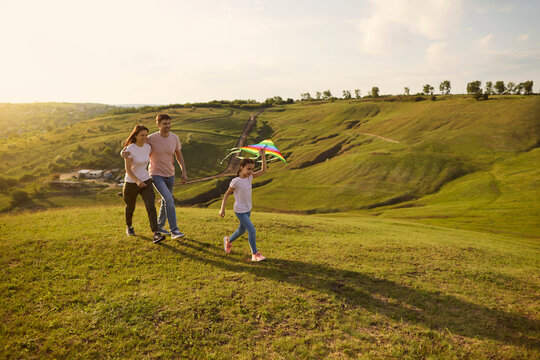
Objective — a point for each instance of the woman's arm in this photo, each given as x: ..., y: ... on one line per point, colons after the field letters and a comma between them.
x: 227, y: 194
x: 263, y: 168
x: 127, y: 164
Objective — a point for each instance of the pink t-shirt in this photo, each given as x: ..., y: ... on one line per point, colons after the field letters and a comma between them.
x: 162, y: 156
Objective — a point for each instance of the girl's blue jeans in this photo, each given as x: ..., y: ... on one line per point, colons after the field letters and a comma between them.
x: 245, y: 224
x: 167, y: 211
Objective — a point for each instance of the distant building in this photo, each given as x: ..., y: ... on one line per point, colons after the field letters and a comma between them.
x: 90, y: 174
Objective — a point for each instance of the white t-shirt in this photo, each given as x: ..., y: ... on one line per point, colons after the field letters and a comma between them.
x: 140, y: 156
x: 242, y: 193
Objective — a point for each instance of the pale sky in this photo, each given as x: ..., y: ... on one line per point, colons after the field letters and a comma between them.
x: 166, y: 51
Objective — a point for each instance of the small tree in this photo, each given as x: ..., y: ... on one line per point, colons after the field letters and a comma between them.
x: 474, y: 88
x: 278, y: 100
x: 407, y: 91
x: 444, y: 87
x: 306, y: 96
x: 357, y: 93
x: 510, y: 88
x: 375, y: 91
x: 318, y: 95
x: 528, y: 87
x: 428, y: 89
x: 500, y: 87
x: 489, y: 87
x: 347, y: 94
x: 327, y: 94
x: 519, y: 88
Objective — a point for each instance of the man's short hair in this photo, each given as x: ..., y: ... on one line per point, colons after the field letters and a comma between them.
x: 161, y: 117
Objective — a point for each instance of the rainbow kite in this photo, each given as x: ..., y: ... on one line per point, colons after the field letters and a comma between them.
x: 268, y: 147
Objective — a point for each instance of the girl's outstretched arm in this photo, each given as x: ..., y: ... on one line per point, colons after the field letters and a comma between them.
x: 227, y: 194
x: 263, y: 168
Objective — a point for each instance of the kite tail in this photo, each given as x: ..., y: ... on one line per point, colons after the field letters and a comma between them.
x: 234, y: 151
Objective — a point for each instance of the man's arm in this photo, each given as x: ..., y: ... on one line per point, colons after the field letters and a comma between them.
x: 180, y: 160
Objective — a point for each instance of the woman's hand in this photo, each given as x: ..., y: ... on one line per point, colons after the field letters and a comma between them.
x: 222, y: 212
x: 141, y: 184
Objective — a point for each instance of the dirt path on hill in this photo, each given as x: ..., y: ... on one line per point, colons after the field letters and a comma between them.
x: 380, y: 137
x: 232, y: 165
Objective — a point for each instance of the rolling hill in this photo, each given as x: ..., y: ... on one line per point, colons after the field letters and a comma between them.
x: 454, y: 161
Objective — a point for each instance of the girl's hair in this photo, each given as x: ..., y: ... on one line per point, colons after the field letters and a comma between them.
x: 243, y: 163
x: 136, y: 130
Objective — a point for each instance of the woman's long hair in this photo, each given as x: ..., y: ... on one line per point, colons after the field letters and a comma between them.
x: 243, y: 163
x: 136, y: 130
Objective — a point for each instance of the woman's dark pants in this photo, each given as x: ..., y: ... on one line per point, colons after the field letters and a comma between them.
x: 130, y: 192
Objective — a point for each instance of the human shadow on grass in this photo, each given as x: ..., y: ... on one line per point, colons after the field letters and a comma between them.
x: 431, y: 309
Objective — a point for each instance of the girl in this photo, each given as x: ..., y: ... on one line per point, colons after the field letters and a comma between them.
x: 138, y: 181
x: 241, y: 186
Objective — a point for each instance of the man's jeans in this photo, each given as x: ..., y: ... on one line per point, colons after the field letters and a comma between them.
x: 164, y: 185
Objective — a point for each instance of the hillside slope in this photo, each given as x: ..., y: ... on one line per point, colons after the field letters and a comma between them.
x: 485, y: 150
x: 31, y: 159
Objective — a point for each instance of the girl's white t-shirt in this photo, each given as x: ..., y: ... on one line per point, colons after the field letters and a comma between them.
x: 140, y: 156
x: 242, y: 193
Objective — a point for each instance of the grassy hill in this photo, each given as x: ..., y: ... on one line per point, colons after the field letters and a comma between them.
x: 336, y: 286
x: 31, y: 158
x: 454, y: 161
x: 21, y: 120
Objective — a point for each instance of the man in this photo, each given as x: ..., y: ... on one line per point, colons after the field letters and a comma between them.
x: 165, y: 146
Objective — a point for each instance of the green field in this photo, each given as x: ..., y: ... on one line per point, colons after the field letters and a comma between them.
x: 397, y: 230
x: 334, y: 286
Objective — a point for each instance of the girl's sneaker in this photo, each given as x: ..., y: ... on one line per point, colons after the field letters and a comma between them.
x: 227, y: 245
x: 130, y: 231
x: 257, y: 257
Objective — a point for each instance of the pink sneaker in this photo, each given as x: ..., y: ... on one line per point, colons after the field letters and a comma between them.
x: 227, y: 245
x: 257, y: 257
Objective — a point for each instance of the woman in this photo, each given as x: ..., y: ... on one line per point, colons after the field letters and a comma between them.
x: 138, y: 181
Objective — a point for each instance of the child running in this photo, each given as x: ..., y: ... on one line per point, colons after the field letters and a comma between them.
x: 241, y: 186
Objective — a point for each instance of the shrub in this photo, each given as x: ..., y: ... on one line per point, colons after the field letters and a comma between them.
x: 6, y: 183
x: 26, y: 178
x: 19, y: 197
